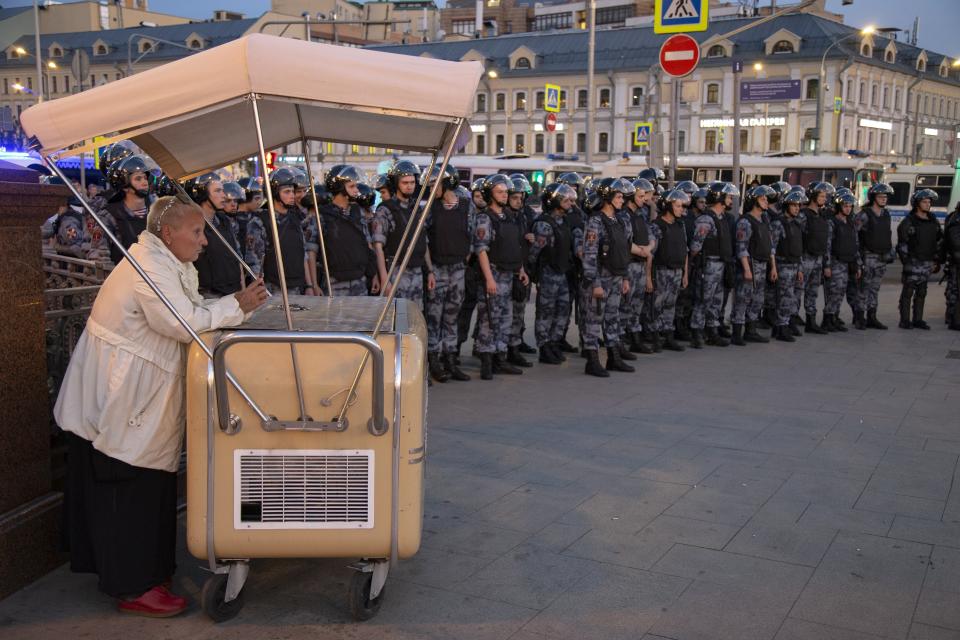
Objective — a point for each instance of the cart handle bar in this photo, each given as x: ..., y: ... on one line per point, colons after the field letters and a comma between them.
x: 377, y: 425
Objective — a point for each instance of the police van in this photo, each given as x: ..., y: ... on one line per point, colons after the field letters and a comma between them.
x: 939, y: 178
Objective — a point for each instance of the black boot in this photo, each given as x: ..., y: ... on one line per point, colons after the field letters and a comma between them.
x: 766, y: 320
x: 655, y: 342
x: 593, y: 366
x: 906, y: 293
x: 724, y: 331
x: 827, y: 323
x: 682, y: 332
x: 486, y: 366
x: 547, y: 355
x: 918, y: 321
x: 637, y: 343
x: 751, y: 334
x: 453, y: 369
x: 437, y: 371
x: 837, y: 324
x: 669, y: 343
x: 514, y: 357
x: 873, y: 322
x: 859, y: 323
x: 794, y: 326
x: 503, y: 366
x: 557, y: 350
x: 783, y: 333
x: 737, y: 338
x: 615, y: 362
x: 812, y: 327
x: 696, y: 339
x: 624, y: 351
x: 566, y: 347
x: 715, y: 339
x: 525, y: 348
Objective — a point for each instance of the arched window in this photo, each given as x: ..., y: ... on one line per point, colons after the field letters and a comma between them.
x: 101, y: 50
x: 195, y: 44
x: 710, y: 142
x: 56, y: 52
x: 716, y: 51
x: 145, y: 46
x: 813, y: 89
x: 783, y: 46
x: 713, y: 93
x: 522, y: 63
x: 604, y: 99
x: 866, y: 51
x: 888, y: 56
x: 921, y: 65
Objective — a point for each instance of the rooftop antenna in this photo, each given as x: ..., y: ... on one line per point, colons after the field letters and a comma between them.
x: 916, y: 31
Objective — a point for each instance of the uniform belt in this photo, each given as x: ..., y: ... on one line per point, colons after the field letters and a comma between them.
x: 786, y: 260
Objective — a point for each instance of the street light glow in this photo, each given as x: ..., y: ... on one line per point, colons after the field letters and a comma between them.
x: 868, y: 30
x: 757, y: 66
x: 955, y: 63
x: 493, y: 73
x: 21, y: 51
x: 51, y: 64
x: 17, y: 86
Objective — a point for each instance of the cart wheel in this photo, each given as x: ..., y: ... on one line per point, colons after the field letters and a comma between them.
x: 361, y: 606
x: 211, y: 599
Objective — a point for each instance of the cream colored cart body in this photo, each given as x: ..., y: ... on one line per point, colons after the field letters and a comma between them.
x: 317, y: 487
x: 305, y: 424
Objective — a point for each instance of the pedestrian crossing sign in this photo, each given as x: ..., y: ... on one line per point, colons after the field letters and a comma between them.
x: 641, y: 133
x: 551, y: 102
x: 680, y: 16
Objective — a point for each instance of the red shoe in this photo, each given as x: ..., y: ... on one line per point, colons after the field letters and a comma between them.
x: 156, y: 603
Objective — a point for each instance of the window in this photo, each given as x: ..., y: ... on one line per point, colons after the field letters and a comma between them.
x: 540, y: 100
x: 882, y: 147
x: 66, y: 84
x: 888, y: 56
x: 717, y: 51
x: 603, y: 142
x: 681, y: 141
x: 893, y: 143
x: 53, y: 84
x: 775, y: 139
x: 500, y: 102
x: 713, y: 93
x: 481, y: 144
x: 925, y: 105
x: 520, y: 101
x: 859, y: 138
x: 636, y: 97
x: 783, y: 46
x: 522, y: 63
x: 499, y: 143
x: 553, y: 21
x: 866, y: 51
x: 813, y: 89
x: 863, y: 92
x: 808, y: 140
x: 843, y: 138
x: 145, y: 46
x: 563, y: 99
x: 538, y: 143
x: 519, y: 145
x: 12, y: 54
x: 901, y: 194
x: 561, y: 143
x: 604, y: 98
x: 56, y: 52
x: 941, y: 184
x: 581, y: 98
x: 615, y: 15
x: 463, y: 27
x: 896, y: 99
x: 101, y: 50
x: 744, y: 139
x: 886, y: 97
x: 481, y: 103
x: 710, y: 142
x: 30, y: 82
x: 6, y: 85
x: 921, y: 65
x: 874, y: 96
x: 195, y: 44
x: 581, y: 143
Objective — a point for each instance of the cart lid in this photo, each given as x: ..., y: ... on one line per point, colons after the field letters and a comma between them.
x: 312, y: 313
x: 193, y: 113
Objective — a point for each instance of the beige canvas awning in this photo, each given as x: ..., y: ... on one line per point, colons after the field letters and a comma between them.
x: 194, y: 114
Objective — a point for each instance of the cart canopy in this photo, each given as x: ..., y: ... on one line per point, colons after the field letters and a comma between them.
x: 193, y: 114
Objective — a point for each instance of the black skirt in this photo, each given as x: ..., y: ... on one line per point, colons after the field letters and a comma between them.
x: 120, y: 521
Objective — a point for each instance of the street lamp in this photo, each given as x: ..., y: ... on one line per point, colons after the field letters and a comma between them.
x: 758, y: 66
x: 866, y: 31
x: 493, y: 74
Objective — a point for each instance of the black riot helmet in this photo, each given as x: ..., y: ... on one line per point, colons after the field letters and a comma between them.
x: 842, y: 199
x: 881, y: 188
x: 462, y: 192
x: 642, y: 184
x: 323, y: 197
x: 367, y: 196
x: 449, y: 180
x: 923, y: 194
x: 754, y: 194
x: 793, y: 197
x: 381, y: 181
x: 166, y: 186
x: 520, y: 185
x: 831, y: 190
x: 591, y: 199
x: 689, y: 187
x: 252, y: 188
x: 781, y: 188
x: 571, y: 178
x: 605, y: 189
x: 114, y: 152
x: 699, y: 194
x: 717, y: 192
x: 122, y: 170
x: 402, y: 169
x: 843, y: 191
x: 196, y: 188
x: 477, y: 185
x: 674, y: 195
x: 282, y: 177
x: 234, y: 191
x: 654, y: 175
x: 555, y: 193
x: 817, y: 187
x: 492, y: 181
x: 300, y: 179
x: 340, y: 176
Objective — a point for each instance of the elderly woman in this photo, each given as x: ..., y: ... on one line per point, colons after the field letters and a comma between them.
x: 122, y: 406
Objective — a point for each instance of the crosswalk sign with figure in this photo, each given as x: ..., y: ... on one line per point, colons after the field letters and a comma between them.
x: 680, y: 16
x: 551, y: 102
x: 641, y: 133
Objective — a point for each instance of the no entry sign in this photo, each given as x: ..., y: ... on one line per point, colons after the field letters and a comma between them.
x: 679, y: 55
x: 550, y: 122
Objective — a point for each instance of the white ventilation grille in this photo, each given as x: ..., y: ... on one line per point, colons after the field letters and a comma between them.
x: 303, y: 489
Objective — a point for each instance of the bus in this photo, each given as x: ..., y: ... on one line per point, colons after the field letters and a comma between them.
x: 855, y: 173
x: 940, y: 178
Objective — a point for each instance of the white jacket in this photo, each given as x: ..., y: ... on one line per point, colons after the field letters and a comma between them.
x: 124, y: 388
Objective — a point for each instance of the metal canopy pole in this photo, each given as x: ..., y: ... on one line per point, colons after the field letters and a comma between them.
x: 184, y: 195
x: 316, y: 204
x: 403, y: 264
x: 406, y: 230
x: 279, y: 253
x: 153, y: 286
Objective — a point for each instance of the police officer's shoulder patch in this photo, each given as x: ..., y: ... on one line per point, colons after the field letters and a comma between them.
x: 481, y: 233
x: 591, y: 236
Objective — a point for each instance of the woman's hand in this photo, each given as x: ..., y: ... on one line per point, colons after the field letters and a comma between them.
x: 251, y: 296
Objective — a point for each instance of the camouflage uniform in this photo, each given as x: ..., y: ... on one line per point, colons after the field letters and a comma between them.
x: 919, y: 246
x: 771, y: 289
x: 553, y: 291
x: 708, y: 289
x: 446, y: 299
x: 685, y: 297
x: 786, y: 303
x: 950, y: 256
x: 812, y: 264
x: 410, y: 285
x: 841, y: 281
x: 667, y: 280
x: 518, y: 324
x: 494, y: 312
x: 748, y: 296
x: 258, y: 235
x: 632, y: 305
x: 352, y: 287
x: 602, y: 315
x: 876, y: 251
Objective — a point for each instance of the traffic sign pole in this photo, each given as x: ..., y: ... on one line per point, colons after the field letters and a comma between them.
x: 737, y: 73
x: 674, y: 123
